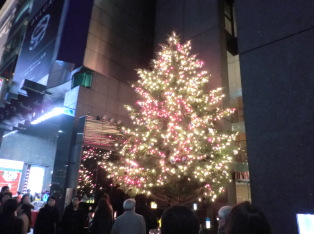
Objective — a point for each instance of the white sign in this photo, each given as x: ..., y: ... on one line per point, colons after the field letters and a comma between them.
x: 11, y: 164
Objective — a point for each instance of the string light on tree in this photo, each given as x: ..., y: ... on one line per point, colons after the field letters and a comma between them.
x: 175, y: 151
x: 91, y: 162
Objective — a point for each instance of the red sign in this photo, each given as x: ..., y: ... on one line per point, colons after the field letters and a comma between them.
x: 10, y: 174
x: 11, y: 179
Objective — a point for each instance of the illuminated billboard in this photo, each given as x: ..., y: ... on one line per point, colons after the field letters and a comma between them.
x: 1, y: 87
x: 1, y: 83
x: 10, y: 174
x: 39, y: 44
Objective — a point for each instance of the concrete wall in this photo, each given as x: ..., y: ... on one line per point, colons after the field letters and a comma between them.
x: 106, y: 97
x: 46, y: 144
x: 276, y: 54
x: 120, y: 38
x: 34, y: 146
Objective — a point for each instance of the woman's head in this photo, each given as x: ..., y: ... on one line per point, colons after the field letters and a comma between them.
x: 25, y: 199
x: 10, y: 206
x: 106, y: 196
x: 5, y: 197
x: 5, y: 189
x: 104, y: 206
x: 102, y: 203
x: 245, y: 218
x: 179, y: 220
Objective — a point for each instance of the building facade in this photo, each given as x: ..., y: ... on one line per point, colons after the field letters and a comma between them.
x: 80, y: 56
x: 77, y: 57
x: 275, y: 47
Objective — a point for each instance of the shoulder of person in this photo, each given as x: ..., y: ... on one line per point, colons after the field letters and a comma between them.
x: 18, y: 221
x: 42, y: 210
x: 24, y: 217
x: 55, y: 211
x: 68, y: 208
x: 119, y: 218
x: 139, y: 215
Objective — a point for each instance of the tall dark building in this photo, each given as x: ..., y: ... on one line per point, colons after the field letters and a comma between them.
x: 66, y: 60
x: 275, y: 47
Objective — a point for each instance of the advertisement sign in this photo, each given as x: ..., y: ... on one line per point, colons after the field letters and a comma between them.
x: 10, y: 174
x: 305, y: 223
x: 1, y: 85
x: 39, y: 43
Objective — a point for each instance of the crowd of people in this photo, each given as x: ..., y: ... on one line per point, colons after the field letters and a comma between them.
x: 243, y: 218
x: 16, y: 218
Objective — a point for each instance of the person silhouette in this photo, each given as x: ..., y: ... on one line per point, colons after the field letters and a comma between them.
x: 245, y: 218
x: 179, y: 219
x: 143, y: 209
x: 222, y: 216
x: 47, y: 221
x: 9, y: 223
x: 129, y: 222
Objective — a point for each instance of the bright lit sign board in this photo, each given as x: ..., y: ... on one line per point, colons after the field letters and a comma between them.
x: 1, y: 86
x: 1, y: 83
x: 305, y: 223
x: 54, y: 112
x: 10, y: 174
x: 38, y: 47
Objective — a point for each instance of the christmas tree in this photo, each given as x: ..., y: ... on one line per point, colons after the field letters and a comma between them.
x: 92, y: 176
x: 175, y: 150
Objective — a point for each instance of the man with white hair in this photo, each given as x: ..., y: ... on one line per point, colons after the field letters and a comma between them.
x: 223, y: 214
x: 130, y: 222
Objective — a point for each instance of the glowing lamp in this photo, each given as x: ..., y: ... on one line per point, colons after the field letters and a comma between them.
x: 153, y: 205
x: 207, y: 223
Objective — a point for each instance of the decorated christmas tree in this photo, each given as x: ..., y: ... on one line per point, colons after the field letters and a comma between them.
x: 92, y: 177
x: 176, y: 150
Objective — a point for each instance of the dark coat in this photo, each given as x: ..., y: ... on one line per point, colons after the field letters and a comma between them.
x: 47, y: 221
x: 150, y: 218
x: 102, y: 223
x: 9, y: 224
x: 73, y: 221
x: 221, y: 230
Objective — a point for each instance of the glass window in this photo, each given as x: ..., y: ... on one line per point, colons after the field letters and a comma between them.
x: 82, y: 78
